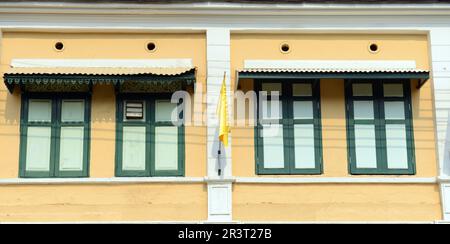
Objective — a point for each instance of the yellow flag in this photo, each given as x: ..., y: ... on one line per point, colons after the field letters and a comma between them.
x: 223, y: 114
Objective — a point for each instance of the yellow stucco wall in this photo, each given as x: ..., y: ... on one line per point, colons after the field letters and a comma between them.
x: 347, y: 201
x: 104, y: 202
x: 61, y: 202
x: 342, y: 202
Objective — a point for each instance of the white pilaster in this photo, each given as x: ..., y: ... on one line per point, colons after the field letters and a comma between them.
x: 440, y: 55
x: 218, y: 62
x: 445, y: 192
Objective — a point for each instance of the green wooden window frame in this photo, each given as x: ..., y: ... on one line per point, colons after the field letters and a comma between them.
x: 380, y: 123
x: 55, y: 124
x: 287, y: 121
x: 150, y: 124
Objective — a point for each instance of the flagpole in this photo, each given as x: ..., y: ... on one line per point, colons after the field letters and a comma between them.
x: 219, y: 171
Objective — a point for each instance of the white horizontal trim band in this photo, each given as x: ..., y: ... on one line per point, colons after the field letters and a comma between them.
x: 221, y: 8
x: 444, y: 179
x: 102, y: 63
x: 116, y: 180
x: 251, y: 180
x: 336, y: 180
x: 233, y: 222
x: 330, y: 64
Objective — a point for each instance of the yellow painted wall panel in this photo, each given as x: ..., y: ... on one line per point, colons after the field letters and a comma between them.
x: 342, y: 202
x: 99, y: 202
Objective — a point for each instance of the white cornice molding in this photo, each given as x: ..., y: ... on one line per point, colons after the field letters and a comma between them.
x: 225, y: 9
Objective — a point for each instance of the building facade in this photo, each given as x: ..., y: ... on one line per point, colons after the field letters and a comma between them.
x: 338, y: 111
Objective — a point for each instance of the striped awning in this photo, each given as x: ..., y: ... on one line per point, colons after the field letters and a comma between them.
x: 36, y: 76
x: 334, y: 73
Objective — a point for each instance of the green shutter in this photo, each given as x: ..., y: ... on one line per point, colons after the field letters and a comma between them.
x: 56, y: 125
x: 291, y: 124
x: 150, y: 123
x: 380, y: 122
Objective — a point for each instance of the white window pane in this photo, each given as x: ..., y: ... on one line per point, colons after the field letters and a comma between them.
x: 269, y: 87
x: 394, y: 110
x: 397, y: 153
x: 363, y: 109
x: 38, y: 149
x: 71, y: 149
x: 365, y: 146
x: 302, y: 90
x: 304, y: 146
x: 164, y: 110
x: 133, y: 150
x: 273, y: 148
x: 393, y: 90
x: 166, y: 148
x: 72, y: 111
x: 362, y: 90
x: 40, y: 110
x: 303, y: 110
x: 272, y: 109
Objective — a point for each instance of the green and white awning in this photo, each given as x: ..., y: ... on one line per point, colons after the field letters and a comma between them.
x: 81, y: 78
x: 332, y: 73
x: 333, y: 69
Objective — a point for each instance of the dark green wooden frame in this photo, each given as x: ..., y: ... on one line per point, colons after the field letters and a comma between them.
x: 288, y: 126
x: 150, y: 125
x: 421, y: 76
x: 55, y: 125
x: 380, y: 129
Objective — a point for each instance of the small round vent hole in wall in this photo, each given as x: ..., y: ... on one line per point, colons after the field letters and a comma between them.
x: 59, y: 46
x: 151, y: 46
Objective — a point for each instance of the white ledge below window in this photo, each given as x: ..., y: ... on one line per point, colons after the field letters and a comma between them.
x: 242, y: 180
x: 114, y: 180
x: 337, y: 180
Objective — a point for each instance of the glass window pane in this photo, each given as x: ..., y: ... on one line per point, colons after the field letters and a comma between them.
x: 303, y: 110
x: 365, y: 146
x: 393, y: 90
x: 269, y: 87
x: 164, y: 110
x: 166, y: 148
x: 133, y: 148
x: 272, y: 109
x: 40, y: 110
x: 363, y: 110
x: 397, y: 153
x: 38, y: 149
x: 304, y: 146
x: 72, y: 111
x: 394, y: 110
x: 362, y: 90
x: 302, y: 90
x: 273, y: 148
x: 71, y: 149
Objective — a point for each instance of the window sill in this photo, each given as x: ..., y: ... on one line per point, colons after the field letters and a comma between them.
x: 114, y: 180
x: 228, y: 180
x: 337, y: 180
